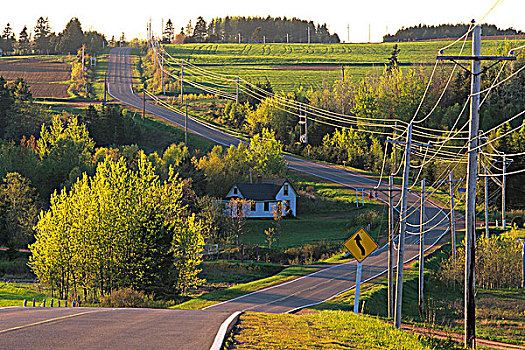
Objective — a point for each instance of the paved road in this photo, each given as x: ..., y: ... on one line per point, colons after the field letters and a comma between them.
x: 310, y: 289
x: 97, y: 328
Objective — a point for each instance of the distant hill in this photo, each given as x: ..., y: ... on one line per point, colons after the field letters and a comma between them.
x: 447, y: 31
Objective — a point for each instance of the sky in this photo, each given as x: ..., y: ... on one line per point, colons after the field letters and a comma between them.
x: 360, y: 19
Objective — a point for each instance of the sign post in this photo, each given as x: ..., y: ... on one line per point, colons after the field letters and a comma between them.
x: 360, y: 245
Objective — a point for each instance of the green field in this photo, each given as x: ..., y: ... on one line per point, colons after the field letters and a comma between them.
x: 289, y: 66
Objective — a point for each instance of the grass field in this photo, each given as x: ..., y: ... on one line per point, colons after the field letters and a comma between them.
x: 235, y: 291
x: 47, y: 76
x: 289, y: 66
x: 323, y: 330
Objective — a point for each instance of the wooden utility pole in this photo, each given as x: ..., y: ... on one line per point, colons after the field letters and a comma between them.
x: 182, y: 82
x: 470, y: 207
x: 105, y: 89
x: 422, y: 247
x: 162, y: 74
x: 390, y: 247
x: 402, y: 229
x: 452, y: 216
x: 395, y: 147
x: 186, y: 126
x: 237, y: 94
x: 470, y: 215
x: 308, y: 34
x: 143, y: 102
x: 487, y: 231
x: 503, y: 190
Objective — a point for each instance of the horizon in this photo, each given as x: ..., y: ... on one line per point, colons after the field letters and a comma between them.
x: 362, y: 23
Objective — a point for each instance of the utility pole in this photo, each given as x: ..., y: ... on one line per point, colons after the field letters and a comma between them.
x: 487, y: 231
x: 303, y: 124
x: 390, y: 247
x: 422, y: 247
x: 105, y: 89
x: 395, y: 147
x: 186, y: 126
x: 162, y: 74
x: 143, y: 102
x: 308, y: 35
x: 503, y: 190
x: 402, y: 229
x: 348, y: 33
x: 452, y: 216
x: 237, y: 94
x: 239, y: 38
x: 264, y: 39
x: 470, y: 207
x: 369, y: 32
x: 287, y: 38
x: 522, y: 263
x: 182, y: 82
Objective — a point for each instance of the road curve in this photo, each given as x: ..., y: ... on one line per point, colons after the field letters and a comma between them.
x: 311, y: 289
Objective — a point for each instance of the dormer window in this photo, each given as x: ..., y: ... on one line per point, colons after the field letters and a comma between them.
x: 285, y: 189
x: 235, y: 190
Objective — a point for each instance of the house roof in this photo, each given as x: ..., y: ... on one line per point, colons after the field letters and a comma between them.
x: 259, y: 192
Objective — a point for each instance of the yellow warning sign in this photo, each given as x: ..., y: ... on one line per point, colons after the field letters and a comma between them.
x: 360, y: 245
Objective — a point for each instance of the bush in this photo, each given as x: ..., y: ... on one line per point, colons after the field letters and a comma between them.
x: 304, y: 254
x: 127, y: 297
x: 498, y: 264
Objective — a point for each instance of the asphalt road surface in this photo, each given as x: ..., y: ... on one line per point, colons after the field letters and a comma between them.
x: 98, y: 328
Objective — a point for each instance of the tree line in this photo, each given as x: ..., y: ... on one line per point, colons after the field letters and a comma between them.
x: 444, y: 31
x: 42, y: 39
x: 251, y: 29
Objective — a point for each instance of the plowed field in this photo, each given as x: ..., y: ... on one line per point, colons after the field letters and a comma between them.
x: 46, y: 77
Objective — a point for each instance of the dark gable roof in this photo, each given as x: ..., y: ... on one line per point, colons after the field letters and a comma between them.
x: 259, y: 192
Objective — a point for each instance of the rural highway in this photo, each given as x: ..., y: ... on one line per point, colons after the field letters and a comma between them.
x: 90, y: 328
x: 316, y: 287
x: 98, y: 328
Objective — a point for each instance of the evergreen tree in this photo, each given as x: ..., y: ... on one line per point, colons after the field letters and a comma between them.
x: 169, y: 33
x: 42, y: 33
x: 200, y: 32
x: 23, y: 40
x: 72, y: 38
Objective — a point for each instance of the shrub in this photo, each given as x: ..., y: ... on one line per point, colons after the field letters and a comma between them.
x: 127, y: 297
x: 498, y: 263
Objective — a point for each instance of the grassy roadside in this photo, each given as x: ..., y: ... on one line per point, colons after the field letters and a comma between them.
x: 13, y: 294
x: 324, y: 330
x: 235, y: 291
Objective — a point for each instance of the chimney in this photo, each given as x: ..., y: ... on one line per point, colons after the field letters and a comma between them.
x: 259, y: 179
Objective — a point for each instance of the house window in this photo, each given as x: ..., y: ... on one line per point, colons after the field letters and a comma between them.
x: 235, y: 191
x: 252, y: 208
x: 266, y: 206
x: 286, y: 189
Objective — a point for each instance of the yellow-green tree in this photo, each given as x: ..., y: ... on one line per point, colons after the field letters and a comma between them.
x: 118, y: 228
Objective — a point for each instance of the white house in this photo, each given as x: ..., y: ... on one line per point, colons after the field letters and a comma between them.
x: 263, y: 197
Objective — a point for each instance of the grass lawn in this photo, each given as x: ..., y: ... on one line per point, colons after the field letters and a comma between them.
x: 323, y: 330
x: 13, y: 294
x: 215, y: 297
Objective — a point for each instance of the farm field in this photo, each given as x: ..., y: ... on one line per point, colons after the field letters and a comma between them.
x: 47, y: 76
x: 290, y: 66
